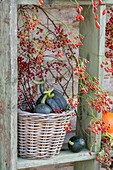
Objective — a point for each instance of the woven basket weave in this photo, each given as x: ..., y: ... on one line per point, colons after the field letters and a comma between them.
x: 40, y: 136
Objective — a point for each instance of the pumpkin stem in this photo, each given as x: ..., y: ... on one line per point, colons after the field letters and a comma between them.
x: 42, y: 88
x: 49, y: 93
x: 44, y: 99
x: 36, y: 82
x: 42, y: 85
x: 71, y: 143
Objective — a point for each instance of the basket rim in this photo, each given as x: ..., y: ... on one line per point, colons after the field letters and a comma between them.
x: 50, y: 114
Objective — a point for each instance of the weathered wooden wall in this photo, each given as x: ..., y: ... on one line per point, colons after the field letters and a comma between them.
x: 8, y: 85
x: 95, y: 44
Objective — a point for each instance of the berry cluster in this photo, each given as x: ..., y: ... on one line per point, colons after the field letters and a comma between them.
x: 95, y: 5
x: 36, y: 41
x: 109, y: 43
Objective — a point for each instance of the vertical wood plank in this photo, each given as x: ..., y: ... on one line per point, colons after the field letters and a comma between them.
x: 35, y: 2
x: 94, y: 45
x: 8, y: 84
x: 86, y: 165
x: 61, y: 2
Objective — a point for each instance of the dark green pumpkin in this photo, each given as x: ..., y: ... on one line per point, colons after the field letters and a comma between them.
x: 49, y: 101
x: 42, y: 108
x: 76, y: 144
x: 60, y: 101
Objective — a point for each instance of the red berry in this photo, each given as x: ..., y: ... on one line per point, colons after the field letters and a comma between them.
x: 104, y: 12
x: 96, y: 16
x: 94, y: 4
x: 90, y: 153
x: 77, y: 17
x: 81, y: 18
x: 41, y: 2
x: 81, y: 8
x: 97, y: 24
x: 95, y: 9
x: 100, y: 2
x: 76, y: 9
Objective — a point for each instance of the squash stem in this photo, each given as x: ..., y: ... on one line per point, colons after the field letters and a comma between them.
x: 71, y: 143
x: 49, y: 93
x: 44, y: 99
x: 38, y: 83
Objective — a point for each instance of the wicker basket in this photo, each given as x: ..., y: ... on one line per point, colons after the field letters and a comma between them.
x: 40, y: 136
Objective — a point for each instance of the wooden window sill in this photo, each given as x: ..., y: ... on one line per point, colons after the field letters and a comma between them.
x: 63, y: 157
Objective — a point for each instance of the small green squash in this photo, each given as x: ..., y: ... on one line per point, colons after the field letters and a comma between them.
x: 76, y: 144
x: 42, y: 108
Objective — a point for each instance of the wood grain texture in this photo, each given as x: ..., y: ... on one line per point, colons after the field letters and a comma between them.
x: 34, y: 2
x: 66, y: 166
x: 63, y: 2
x: 8, y: 84
x: 62, y: 158
x: 86, y: 165
x: 93, y: 49
x: 89, y: 2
